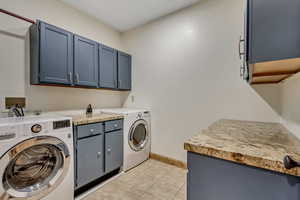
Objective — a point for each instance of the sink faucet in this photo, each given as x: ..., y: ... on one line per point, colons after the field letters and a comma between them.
x: 16, y: 110
x: 89, y: 109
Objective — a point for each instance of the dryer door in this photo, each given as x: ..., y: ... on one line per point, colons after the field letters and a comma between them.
x: 139, y: 135
x: 33, y: 168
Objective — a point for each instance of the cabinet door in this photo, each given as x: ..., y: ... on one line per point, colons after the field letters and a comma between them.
x: 113, y: 150
x: 124, y: 71
x: 90, y: 159
x: 108, y: 67
x: 56, y: 55
x: 274, y: 30
x: 85, y: 62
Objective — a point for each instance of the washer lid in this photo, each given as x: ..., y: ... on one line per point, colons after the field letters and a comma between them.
x: 33, y: 168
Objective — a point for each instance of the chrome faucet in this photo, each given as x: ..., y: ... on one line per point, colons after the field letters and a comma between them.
x: 16, y: 110
x: 89, y: 110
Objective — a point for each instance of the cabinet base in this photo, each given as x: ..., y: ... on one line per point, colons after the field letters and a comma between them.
x: 95, y: 183
x: 211, y: 178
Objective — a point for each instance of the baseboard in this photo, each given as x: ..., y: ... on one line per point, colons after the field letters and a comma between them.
x: 168, y: 160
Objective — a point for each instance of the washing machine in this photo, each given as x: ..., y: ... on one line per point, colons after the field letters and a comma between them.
x: 137, y: 135
x: 36, y: 158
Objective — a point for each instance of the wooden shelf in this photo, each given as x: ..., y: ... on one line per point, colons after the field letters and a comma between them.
x: 274, y: 72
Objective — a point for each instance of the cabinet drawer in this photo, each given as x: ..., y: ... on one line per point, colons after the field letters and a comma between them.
x: 113, y: 125
x: 89, y: 130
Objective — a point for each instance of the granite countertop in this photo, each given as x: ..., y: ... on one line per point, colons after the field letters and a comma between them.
x: 94, y: 118
x: 78, y: 116
x: 258, y: 144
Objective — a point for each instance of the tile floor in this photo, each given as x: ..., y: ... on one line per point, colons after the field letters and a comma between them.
x: 151, y: 180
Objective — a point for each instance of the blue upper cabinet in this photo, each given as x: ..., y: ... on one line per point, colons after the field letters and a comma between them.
x: 273, y: 30
x: 60, y: 57
x: 108, y: 67
x: 124, y: 71
x: 85, y: 62
x: 272, y: 41
x: 56, y: 55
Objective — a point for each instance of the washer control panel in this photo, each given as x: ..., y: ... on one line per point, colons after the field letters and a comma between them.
x: 36, y: 128
x: 61, y: 124
x: 33, y: 129
x: 7, y: 136
x: 8, y: 132
x: 139, y: 115
x: 15, y: 128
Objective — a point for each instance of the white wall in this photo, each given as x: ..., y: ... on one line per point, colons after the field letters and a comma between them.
x: 290, y: 104
x: 271, y: 93
x: 14, y: 57
x: 186, y: 70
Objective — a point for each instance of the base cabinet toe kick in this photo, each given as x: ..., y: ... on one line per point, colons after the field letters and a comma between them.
x: 98, y: 150
x: 212, y: 178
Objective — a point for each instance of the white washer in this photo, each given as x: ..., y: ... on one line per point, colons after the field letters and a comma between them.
x: 137, y: 135
x: 36, y: 158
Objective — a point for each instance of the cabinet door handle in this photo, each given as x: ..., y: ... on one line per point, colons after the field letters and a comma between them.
x: 99, y: 154
x: 77, y: 78
x: 109, y: 150
x: 70, y: 77
x: 116, y: 125
x: 242, y: 71
x: 240, y: 42
x: 92, y: 131
x: 119, y: 83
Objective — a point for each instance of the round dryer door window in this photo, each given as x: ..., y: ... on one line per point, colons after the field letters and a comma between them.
x: 138, y: 135
x: 34, y: 168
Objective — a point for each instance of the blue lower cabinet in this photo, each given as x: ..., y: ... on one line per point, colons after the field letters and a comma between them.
x: 215, y: 179
x: 113, y: 125
x: 97, y: 152
x: 90, y: 159
x: 113, y: 150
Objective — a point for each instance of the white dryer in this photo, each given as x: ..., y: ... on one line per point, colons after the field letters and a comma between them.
x: 137, y: 135
x: 36, y: 158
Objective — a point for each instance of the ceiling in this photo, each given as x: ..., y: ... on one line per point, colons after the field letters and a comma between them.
x: 124, y: 15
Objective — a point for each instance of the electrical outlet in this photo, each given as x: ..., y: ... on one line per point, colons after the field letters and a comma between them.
x: 132, y: 99
x: 12, y: 101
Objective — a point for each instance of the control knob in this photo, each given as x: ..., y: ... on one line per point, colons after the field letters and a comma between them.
x: 36, y: 128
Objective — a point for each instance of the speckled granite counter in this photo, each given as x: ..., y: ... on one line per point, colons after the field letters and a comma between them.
x: 84, y: 119
x: 257, y: 144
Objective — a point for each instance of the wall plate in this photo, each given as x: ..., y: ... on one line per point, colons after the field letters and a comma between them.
x: 12, y: 101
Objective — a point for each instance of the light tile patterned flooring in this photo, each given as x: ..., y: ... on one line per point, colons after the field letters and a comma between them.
x: 151, y: 180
